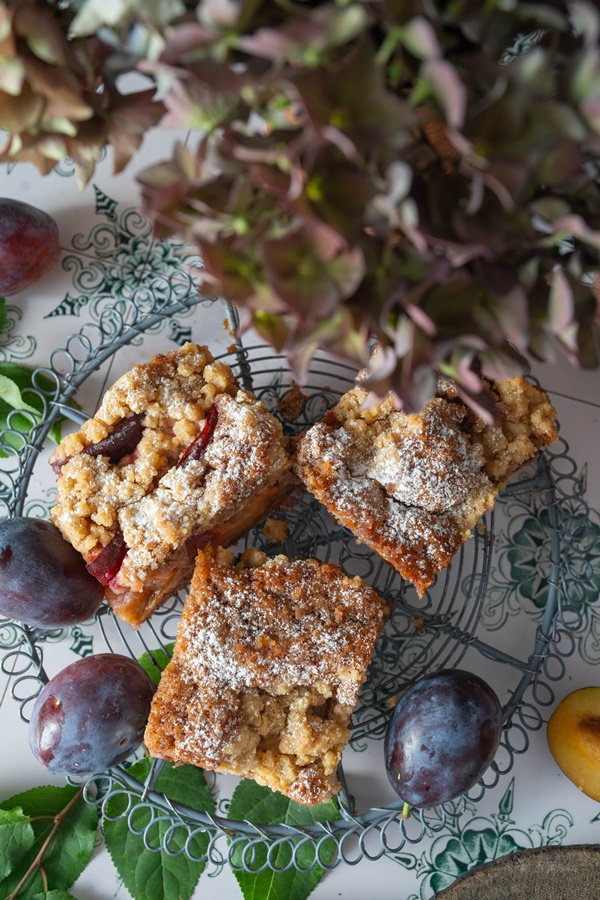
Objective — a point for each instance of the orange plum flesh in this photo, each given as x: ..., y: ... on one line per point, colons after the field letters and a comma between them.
x: 574, y: 739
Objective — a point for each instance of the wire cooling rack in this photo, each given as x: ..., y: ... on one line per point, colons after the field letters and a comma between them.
x: 421, y: 636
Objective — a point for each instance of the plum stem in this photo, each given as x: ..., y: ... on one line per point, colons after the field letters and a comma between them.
x: 406, y: 811
x: 37, y: 862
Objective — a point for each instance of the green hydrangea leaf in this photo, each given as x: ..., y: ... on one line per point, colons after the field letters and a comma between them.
x: 16, y: 838
x: 150, y: 875
x: 61, y: 815
x: 263, y: 806
x: 156, y: 661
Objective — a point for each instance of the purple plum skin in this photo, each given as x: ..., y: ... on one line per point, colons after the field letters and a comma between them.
x: 43, y: 579
x: 92, y: 715
x: 29, y: 245
x: 443, y: 735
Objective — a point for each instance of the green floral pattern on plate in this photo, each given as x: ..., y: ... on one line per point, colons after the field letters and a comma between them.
x: 473, y: 839
x: 15, y: 347
x: 519, y: 581
x: 115, y: 257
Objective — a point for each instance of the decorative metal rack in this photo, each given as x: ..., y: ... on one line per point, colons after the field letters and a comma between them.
x: 432, y: 635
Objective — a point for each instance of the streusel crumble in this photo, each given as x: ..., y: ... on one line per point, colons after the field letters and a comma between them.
x: 268, y: 662
x: 176, y: 456
x: 412, y: 487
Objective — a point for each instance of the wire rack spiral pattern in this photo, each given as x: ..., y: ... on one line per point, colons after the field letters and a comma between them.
x: 432, y: 635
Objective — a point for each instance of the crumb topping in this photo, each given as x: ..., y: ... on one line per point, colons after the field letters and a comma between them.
x: 426, y: 461
x: 173, y: 393
x: 292, y: 403
x: 413, y: 486
x: 246, y: 452
x: 165, y: 511
x: 281, y: 623
x: 284, y: 644
x: 275, y: 530
x: 427, y: 541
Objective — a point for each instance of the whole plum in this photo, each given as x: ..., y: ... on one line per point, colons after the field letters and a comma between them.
x: 29, y: 245
x: 443, y: 735
x: 91, y: 715
x: 43, y: 580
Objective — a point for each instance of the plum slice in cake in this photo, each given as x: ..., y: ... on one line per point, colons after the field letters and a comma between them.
x: 269, y: 659
x: 411, y: 487
x: 177, y: 456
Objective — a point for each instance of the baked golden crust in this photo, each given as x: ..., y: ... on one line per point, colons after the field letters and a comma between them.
x: 164, y: 510
x: 268, y: 662
x: 412, y: 487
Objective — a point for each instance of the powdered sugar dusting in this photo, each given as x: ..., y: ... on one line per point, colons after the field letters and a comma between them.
x: 246, y: 452
x: 163, y: 511
x: 425, y: 538
x: 413, y: 486
x: 283, y: 624
x: 427, y: 461
x: 268, y: 662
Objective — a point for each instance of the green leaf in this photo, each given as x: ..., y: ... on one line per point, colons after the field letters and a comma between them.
x: 21, y: 376
x: 149, y: 875
x: 263, y: 806
x: 10, y: 393
x: 55, y: 895
x: 17, y: 392
x: 156, y: 661
x: 16, y: 838
x: 69, y: 824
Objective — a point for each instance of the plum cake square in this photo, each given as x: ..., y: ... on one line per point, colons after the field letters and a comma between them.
x: 268, y: 662
x: 411, y: 487
x: 177, y: 456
